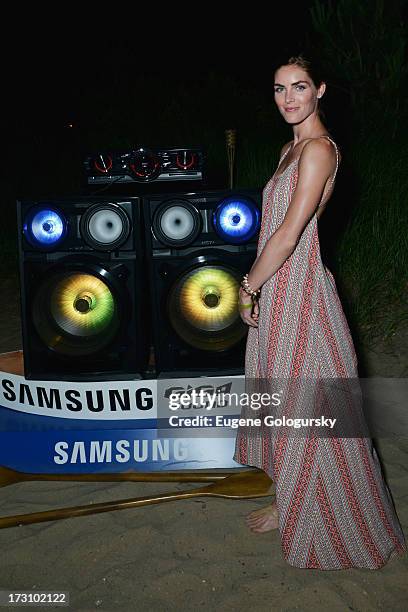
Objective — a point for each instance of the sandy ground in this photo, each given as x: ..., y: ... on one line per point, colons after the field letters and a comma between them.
x: 182, y: 555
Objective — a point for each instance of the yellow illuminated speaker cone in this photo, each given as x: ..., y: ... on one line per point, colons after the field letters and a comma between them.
x: 203, y: 308
x: 75, y: 314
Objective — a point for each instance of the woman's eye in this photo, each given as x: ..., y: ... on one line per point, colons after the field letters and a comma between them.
x: 298, y: 88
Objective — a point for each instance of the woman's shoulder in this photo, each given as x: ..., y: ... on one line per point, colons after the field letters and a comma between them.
x: 322, y: 147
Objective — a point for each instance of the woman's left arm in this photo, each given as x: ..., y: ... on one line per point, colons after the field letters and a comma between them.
x: 316, y: 163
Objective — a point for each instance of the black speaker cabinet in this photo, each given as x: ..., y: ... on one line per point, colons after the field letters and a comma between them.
x: 199, y: 245
x: 82, y: 278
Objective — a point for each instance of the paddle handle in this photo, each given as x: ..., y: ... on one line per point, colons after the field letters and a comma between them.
x: 243, y: 485
x: 123, y: 504
x: 9, y: 476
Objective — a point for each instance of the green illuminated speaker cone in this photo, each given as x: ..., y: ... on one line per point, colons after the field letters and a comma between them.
x: 203, y: 308
x: 75, y: 313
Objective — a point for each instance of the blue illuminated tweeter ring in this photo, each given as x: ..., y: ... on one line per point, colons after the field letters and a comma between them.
x: 236, y: 219
x: 44, y: 227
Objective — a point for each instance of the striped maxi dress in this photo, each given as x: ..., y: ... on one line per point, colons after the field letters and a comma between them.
x: 335, y: 510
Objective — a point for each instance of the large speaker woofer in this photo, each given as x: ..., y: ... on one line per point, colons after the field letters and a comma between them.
x: 105, y: 226
x: 45, y: 227
x: 76, y: 313
x: 236, y: 219
x: 177, y: 223
x: 202, y: 307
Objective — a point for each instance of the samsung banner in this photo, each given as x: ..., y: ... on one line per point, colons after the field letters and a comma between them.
x: 111, y: 426
x: 181, y: 424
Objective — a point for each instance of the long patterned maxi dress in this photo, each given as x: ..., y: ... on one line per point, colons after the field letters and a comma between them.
x: 335, y: 510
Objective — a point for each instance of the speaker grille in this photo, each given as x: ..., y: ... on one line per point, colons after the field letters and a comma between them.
x: 45, y: 227
x: 75, y: 313
x: 236, y: 219
x: 203, y: 308
x: 105, y: 226
x: 177, y: 223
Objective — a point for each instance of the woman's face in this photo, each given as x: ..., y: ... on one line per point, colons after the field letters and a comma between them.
x: 295, y: 93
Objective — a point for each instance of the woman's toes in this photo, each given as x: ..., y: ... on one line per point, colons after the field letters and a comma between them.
x: 263, y: 519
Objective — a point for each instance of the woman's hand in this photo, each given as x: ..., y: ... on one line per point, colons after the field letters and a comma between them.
x: 248, y: 310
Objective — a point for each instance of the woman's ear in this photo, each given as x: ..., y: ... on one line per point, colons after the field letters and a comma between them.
x: 321, y: 90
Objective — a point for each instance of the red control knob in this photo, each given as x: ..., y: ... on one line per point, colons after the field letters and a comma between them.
x: 185, y: 160
x: 102, y: 163
x: 144, y: 165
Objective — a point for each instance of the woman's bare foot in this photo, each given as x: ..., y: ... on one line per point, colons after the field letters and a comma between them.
x: 264, y: 519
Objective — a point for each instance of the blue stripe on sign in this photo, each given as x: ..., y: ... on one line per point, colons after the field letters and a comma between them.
x: 99, y: 450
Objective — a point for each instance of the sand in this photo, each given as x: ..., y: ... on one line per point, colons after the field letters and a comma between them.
x: 182, y: 555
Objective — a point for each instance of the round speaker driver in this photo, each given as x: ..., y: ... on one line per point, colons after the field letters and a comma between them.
x: 177, y: 224
x: 236, y: 219
x: 105, y: 226
x: 75, y: 313
x: 45, y: 227
x: 203, y: 308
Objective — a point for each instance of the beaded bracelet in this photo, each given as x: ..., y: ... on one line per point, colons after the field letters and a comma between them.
x: 246, y: 287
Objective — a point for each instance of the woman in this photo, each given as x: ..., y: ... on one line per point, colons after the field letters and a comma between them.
x: 333, y: 508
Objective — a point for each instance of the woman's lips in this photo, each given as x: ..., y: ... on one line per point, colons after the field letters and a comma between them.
x: 291, y: 110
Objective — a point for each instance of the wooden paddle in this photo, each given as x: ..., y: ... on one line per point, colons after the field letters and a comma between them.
x: 243, y: 485
x: 9, y: 476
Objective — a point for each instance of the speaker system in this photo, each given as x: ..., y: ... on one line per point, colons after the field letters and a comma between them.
x: 199, y: 245
x: 81, y: 278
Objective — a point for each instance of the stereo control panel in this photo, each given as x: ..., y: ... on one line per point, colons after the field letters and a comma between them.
x: 144, y: 165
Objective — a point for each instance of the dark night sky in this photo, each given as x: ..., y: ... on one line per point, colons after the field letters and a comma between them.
x: 72, y: 56
x: 59, y: 58
x: 88, y: 71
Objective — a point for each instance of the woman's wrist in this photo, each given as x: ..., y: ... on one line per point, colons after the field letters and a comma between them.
x: 243, y: 295
x: 249, y: 290
x: 243, y: 306
x: 245, y: 301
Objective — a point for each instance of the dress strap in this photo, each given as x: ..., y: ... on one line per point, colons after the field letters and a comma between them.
x: 282, y: 157
x: 337, y: 156
x: 323, y: 136
x: 330, y: 185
